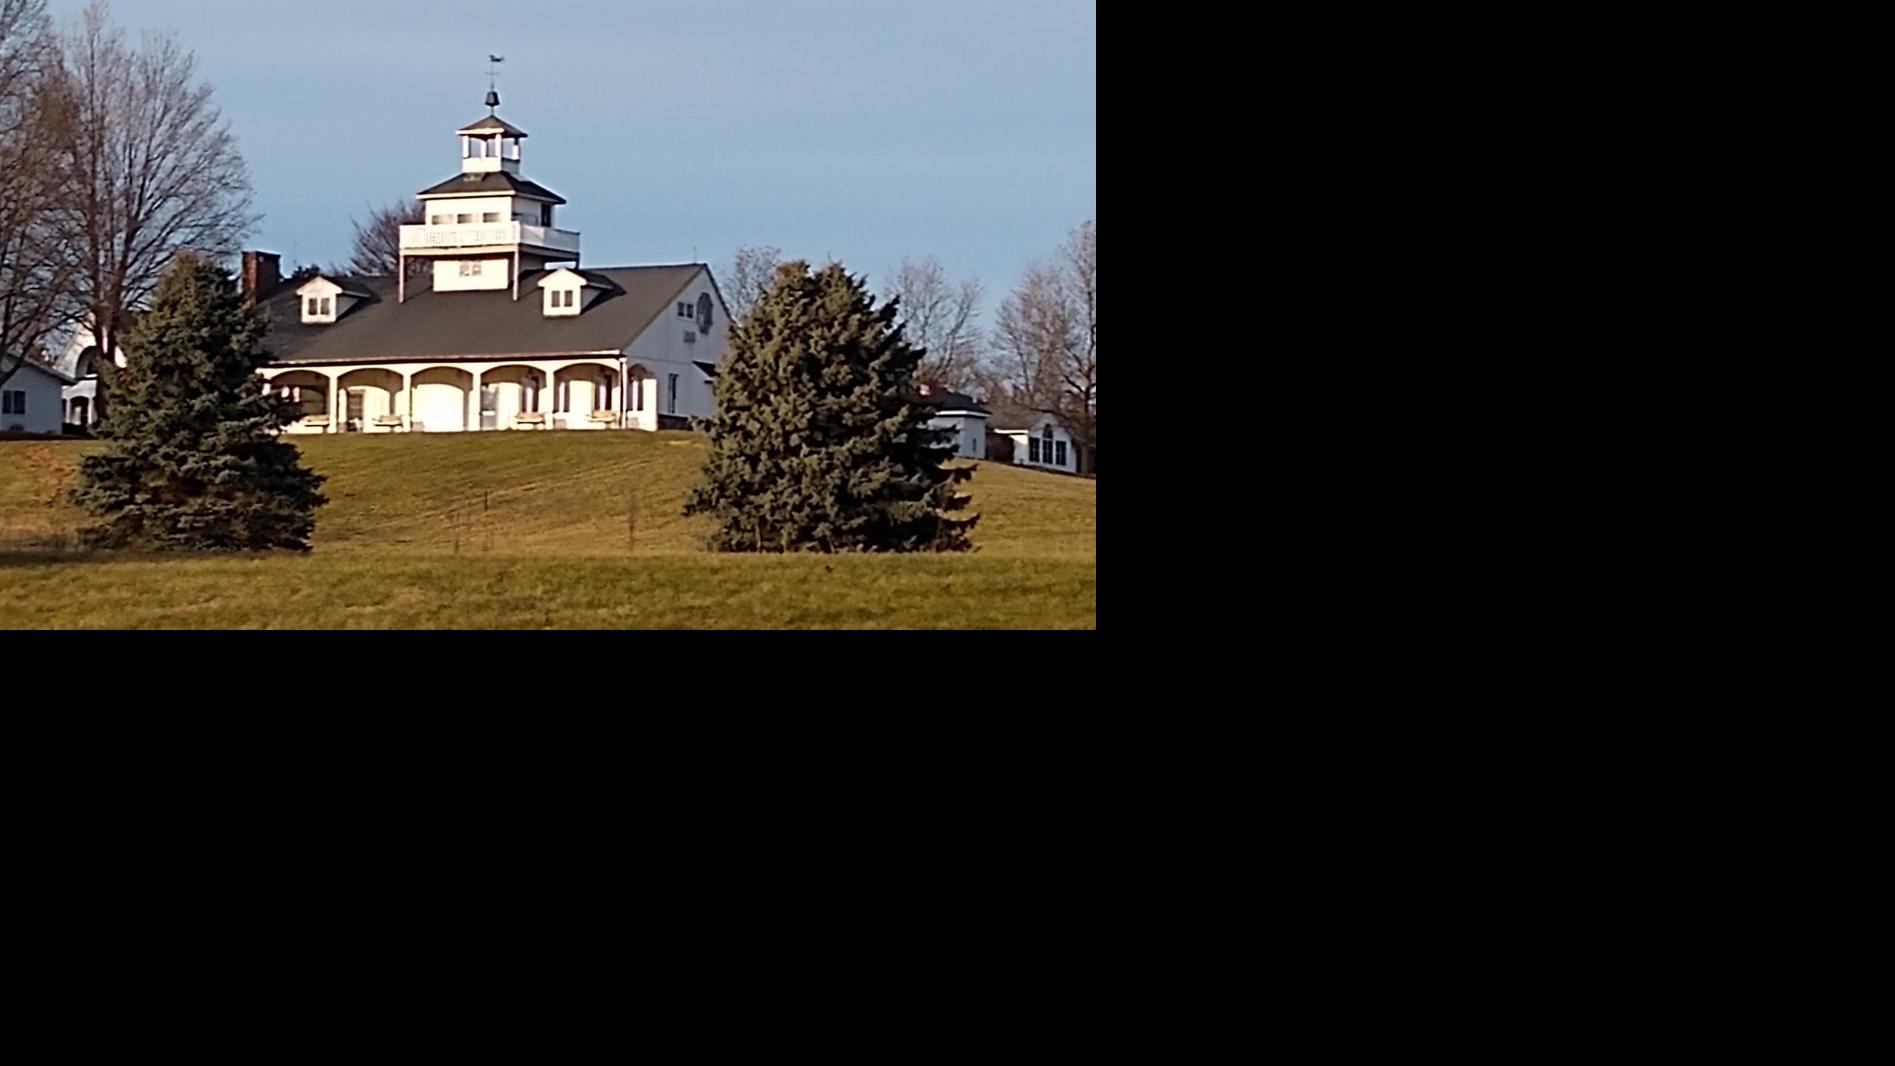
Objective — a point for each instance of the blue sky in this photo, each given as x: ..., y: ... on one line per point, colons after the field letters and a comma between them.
x: 848, y: 128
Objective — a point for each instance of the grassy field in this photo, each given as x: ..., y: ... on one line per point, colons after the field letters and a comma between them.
x: 532, y: 530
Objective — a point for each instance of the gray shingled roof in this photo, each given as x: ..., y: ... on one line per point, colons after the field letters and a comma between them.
x: 475, y: 325
x: 954, y: 403
x: 1015, y: 417
x: 492, y: 122
x: 498, y: 181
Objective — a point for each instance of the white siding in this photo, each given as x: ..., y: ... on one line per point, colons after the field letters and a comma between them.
x: 1023, y: 446
x: 495, y: 273
x: 662, y: 350
x: 45, y: 407
x: 970, y: 434
x: 477, y: 206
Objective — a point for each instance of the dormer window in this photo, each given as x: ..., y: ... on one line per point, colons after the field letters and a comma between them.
x: 566, y: 292
x: 562, y: 300
x: 319, y: 309
x: 324, y: 301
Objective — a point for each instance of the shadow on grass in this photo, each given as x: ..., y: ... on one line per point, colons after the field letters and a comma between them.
x: 24, y: 557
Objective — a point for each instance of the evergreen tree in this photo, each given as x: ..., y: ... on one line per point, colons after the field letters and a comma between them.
x: 820, y: 441
x: 195, y: 463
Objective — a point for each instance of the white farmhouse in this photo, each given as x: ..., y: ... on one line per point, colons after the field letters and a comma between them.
x: 30, y: 399
x: 502, y: 330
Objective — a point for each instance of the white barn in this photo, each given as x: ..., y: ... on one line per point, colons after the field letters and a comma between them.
x: 502, y: 329
x: 30, y: 400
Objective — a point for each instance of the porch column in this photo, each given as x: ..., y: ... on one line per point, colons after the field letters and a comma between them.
x: 473, y: 401
x: 335, y: 416
x: 408, y: 398
x: 549, y: 399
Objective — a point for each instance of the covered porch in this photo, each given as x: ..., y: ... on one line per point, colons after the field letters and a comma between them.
x: 587, y: 392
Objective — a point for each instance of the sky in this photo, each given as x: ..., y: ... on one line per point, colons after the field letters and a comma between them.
x: 864, y: 130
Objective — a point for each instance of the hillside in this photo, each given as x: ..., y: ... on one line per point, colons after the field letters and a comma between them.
x: 529, y: 530
x: 543, y: 494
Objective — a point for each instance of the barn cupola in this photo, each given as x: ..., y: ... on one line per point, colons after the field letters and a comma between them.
x: 491, y: 144
x: 487, y: 226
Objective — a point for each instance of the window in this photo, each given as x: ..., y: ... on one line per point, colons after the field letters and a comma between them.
x: 1033, y: 449
x: 546, y: 214
x: 463, y: 219
x: 313, y: 306
x: 674, y: 395
x: 491, y: 216
x: 1046, y: 443
x: 567, y: 298
x: 13, y: 402
x: 326, y: 305
x: 314, y: 401
x: 684, y: 311
x: 439, y: 220
x: 1059, y: 453
x: 637, y: 394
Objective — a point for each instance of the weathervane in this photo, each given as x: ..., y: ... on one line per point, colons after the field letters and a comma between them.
x: 493, y: 75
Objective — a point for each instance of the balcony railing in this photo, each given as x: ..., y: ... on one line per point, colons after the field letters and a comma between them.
x: 488, y: 234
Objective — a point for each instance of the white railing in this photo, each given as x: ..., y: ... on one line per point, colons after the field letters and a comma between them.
x: 478, y: 235
x: 558, y: 240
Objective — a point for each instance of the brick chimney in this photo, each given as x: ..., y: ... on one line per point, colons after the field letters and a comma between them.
x: 262, y: 273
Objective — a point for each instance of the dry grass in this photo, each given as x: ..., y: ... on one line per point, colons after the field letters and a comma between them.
x: 520, y: 530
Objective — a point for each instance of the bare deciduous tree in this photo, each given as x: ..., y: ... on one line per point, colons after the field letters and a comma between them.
x: 939, y: 315
x: 151, y: 170
x: 377, y: 249
x: 751, y: 273
x: 34, y: 294
x: 1046, y: 353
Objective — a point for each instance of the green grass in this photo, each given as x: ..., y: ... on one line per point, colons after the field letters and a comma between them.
x: 528, y: 530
